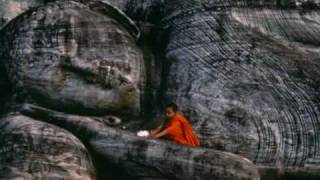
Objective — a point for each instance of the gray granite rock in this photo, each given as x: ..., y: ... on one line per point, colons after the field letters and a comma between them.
x: 10, y: 9
x: 72, y: 57
x: 31, y: 149
x: 147, y: 158
x: 244, y: 72
x: 76, y: 58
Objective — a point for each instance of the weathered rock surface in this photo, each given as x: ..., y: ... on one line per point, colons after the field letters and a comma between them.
x: 247, y: 77
x: 246, y: 73
x: 62, y: 55
x: 144, y: 158
x: 75, y: 58
x: 9, y: 9
x: 31, y: 149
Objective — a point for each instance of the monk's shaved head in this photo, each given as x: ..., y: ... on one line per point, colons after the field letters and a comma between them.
x: 173, y: 106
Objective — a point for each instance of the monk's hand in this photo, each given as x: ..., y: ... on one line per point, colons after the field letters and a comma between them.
x: 152, y: 133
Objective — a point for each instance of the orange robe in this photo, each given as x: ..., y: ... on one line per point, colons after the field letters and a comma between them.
x: 179, y: 130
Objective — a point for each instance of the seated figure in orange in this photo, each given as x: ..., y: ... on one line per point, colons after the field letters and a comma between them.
x: 176, y: 128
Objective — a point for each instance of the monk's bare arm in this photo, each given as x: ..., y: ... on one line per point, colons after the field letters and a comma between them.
x: 157, y: 130
x: 160, y: 134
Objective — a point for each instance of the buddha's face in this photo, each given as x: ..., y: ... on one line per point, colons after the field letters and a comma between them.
x: 73, y: 59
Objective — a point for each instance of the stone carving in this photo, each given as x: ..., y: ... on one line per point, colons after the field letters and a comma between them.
x: 247, y: 75
x: 143, y: 157
x: 30, y: 149
x: 244, y: 72
x: 61, y: 56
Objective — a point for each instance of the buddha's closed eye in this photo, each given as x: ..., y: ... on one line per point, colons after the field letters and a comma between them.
x: 108, y: 75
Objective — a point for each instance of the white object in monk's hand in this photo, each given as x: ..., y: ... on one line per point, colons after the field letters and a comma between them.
x: 144, y: 133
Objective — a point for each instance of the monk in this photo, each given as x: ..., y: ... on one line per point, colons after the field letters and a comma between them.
x: 176, y: 128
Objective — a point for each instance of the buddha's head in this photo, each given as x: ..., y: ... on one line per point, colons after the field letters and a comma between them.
x: 75, y: 58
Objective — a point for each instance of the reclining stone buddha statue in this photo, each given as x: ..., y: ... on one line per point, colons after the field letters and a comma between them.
x: 70, y: 58
x: 245, y: 73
